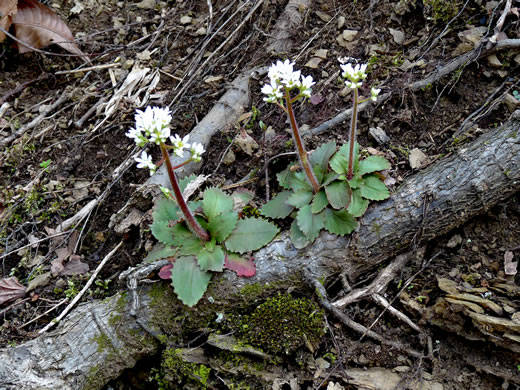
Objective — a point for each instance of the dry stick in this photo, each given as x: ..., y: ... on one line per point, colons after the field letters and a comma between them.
x: 96, y: 67
x: 44, y: 314
x: 322, y: 297
x: 36, y: 121
x: 34, y: 243
x: 500, y: 22
x: 210, y: 57
x: 83, y: 291
x: 22, y: 86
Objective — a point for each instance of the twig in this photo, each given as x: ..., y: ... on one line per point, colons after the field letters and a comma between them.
x: 322, y: 297
x: 500, y: 22
x: 22, y: 86
x: 82, y: 292
x: 14, y: 304
x: 44, y: 314
x: 89, y: 68
x: 36, y: 121
x: 34, y: 243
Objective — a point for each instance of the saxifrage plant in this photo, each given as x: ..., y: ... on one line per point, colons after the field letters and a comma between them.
x: 200, y: 236
x: 334, y: 186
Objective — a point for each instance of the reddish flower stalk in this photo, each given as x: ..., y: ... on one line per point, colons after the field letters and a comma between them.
x: 194, y: 226
x: 300, y: 147
x: 353, y: 125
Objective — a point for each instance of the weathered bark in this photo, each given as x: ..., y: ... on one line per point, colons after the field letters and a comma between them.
x: 99, y: 339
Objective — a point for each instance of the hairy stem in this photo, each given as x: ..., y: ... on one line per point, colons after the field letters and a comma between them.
x: 194, y: 226
x: 300, y: 148
x: 353, y: 125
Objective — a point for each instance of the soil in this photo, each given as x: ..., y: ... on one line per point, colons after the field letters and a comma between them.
x: 54, y: 169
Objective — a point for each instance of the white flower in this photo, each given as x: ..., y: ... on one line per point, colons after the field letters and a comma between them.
x: 159, y: 135
x: 352, y: 85
x: 272, y: 91
x: 137, y: 136
x: 179, y: 144
x: 354, y: 74
x: 374, y: 92
x: 196, y: 151
x: 154, y: 122
x: 280, y: 70
x: 145, y: 161
x: 305, y: 86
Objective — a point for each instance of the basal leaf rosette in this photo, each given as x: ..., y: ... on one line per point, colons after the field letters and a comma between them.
x: 337, y: 203
x: 194, y: 260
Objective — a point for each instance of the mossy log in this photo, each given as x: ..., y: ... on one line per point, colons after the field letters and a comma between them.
x: 100, y: 339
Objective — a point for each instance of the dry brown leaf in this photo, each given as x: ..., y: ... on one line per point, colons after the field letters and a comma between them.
x: 38, y: 26
x: 10, y: 290
x: 7, y: 11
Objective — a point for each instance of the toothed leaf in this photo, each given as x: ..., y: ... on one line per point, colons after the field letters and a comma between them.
x: 373, y: 188
x: 161, y: 253
x: 300, y: 198
x: 319, y: 202
x: 216, y: 202
x: 310, y: 224
x: 166, y: 209
x: 359, y: 205
x: 339, y: 194
x: 297, y: 237
x: 321, y: 155
x: 250, y: 234
x: 339, y: 162
x: 188, y: 280
x: 339, y: 222
x: 372, y: 164
x: 211, y: 261
x: 162, y: 231
x: 221, y: 226
x: 278, y: 206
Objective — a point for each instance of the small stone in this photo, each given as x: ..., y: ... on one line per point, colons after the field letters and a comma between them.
x: 313, y: 63
x: 146, y: 4
x: 213, y: 79
x: 38, y: 281
x: 401, y: 369
x: 321, y: 53
x: 379, y: 135
x: 397, y: 35
x: 229, y: 158
x: 454, y: 241
x: 341, y: 22
x: 493, y: 60
x: 323, y: 16
x: 511, y: 102
x: 186, y: 19
x: 349, y: 35
x: 201, y: 31
x: 417, y: 158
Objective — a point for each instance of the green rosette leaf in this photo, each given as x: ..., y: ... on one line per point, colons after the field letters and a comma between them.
x: 188, y: 280
x: 250, y: 234
x: 373, y: 188
x: 310, y: 224
x: 300, y: 198
x: 166, y: 209
x: 372, y: 164
x: 216, y: 202
x: 319, y: 202
x: 339, y: 222
x: 221, y: 226
x: 321, y: 155
x: 163, y: 232
x: 359, y: 205
x: 297, y: 237
x: 339, y: 194
x: 278, y: 206
x: 211, y: 261
x: 162, y: 252
x: 339, y: 162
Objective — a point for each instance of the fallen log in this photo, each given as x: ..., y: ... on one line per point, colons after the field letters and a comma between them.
x: 100, y: 339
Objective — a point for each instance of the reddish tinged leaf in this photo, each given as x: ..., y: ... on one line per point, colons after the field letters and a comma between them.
x: 7, y: 11
x: 243, y: 267
x: 38, y: 26
x: 166, y: 272
x: 10, y: 290
x: 75, y: 266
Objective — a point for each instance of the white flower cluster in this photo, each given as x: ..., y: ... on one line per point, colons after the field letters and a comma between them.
x: 283, y: 76
x: 354, y: 75
x: 153, y: 125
